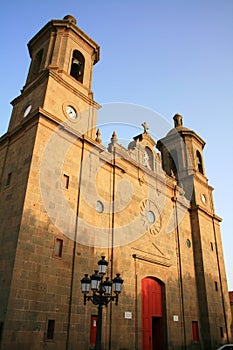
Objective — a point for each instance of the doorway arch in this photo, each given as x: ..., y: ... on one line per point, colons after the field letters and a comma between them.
x: 153, y: 319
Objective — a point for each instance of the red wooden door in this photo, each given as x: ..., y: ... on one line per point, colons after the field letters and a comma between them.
x: 94, y: 319
x: 152, y: 315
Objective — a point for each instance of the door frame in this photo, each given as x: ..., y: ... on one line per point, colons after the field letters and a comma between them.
x: 162, y: 314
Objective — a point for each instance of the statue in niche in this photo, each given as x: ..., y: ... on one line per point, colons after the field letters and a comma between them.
x: 146, y: 160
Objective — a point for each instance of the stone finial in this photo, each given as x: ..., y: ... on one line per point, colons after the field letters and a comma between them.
x: 114, y: 138
x: 145, y: 127
x: 70, y: 18
x: 98, y: 138
x: 177, y: 120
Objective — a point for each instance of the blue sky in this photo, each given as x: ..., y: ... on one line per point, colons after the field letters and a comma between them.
x: 170, y: 56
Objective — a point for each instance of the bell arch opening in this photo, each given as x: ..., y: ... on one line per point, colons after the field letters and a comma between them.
x: 77, y: 66
x: 36, y: 65
x: 199, y: 162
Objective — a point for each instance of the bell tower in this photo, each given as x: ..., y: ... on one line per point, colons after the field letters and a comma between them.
x: 59, y: 80
x: 57, y: 96
x: 182, y: 158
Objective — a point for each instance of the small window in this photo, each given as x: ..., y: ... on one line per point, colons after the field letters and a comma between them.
x: 66, y: 181
x: 195, y: 331
x: 188, y: 243
x: 77, y: 66
x: 8, y: 180
x: 211, y: 246
x: 221, y: 332
x: 216, y: 285
x: 151, y: 217
x: 1, y: 329
x: 58, y: 247
x: 199, y: 162
x: 50, y: 330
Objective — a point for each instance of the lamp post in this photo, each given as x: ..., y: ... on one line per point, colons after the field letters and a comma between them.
x: 101, y: 293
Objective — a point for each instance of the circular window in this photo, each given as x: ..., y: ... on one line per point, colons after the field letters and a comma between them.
x: 99, y: 207
x: 151, y: 217
x: 188, y: 243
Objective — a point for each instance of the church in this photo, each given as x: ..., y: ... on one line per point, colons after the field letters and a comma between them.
x: 66, y: 200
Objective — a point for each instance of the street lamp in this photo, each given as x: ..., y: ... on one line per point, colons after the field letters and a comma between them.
x: 101, y: 293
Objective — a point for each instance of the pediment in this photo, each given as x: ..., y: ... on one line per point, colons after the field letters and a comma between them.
x: 145, y: 139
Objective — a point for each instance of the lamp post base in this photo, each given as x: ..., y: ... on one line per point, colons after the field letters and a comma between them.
x: 99, y: 328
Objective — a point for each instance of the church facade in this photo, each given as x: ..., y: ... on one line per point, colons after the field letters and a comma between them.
x: 66, y: 200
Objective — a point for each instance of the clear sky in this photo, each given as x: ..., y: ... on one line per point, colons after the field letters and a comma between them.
x: 170, y: 56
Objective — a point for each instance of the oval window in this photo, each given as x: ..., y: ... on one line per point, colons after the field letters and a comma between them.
x: 151, y: 217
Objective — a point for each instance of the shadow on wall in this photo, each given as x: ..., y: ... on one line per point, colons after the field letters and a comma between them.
x: 41, y: 292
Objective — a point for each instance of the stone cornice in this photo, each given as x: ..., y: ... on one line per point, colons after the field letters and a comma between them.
x: 27, y: 89
x: 201, y: 179
x: 20, y: 128
x: 153, y: 260
x: 55, y: 24
x: 52, y: 72
x: 183, y: 132
x: 211, y: 214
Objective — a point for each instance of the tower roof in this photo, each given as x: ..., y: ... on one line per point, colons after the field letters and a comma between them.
x: 178, y: 127
x: 68, y: 22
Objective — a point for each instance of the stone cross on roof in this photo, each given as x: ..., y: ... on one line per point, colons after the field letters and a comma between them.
x: 145, y: 126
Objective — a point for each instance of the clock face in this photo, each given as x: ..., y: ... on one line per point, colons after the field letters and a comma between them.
x: 71, y: 112
x: 27, y: 111
x: 203, y: 198
x: 99, y: 207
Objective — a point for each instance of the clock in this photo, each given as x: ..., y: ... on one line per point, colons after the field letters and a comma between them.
x: 71, y: 112
x: 27, y: 110
x: 99, y: 207
x: 203, y: 198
